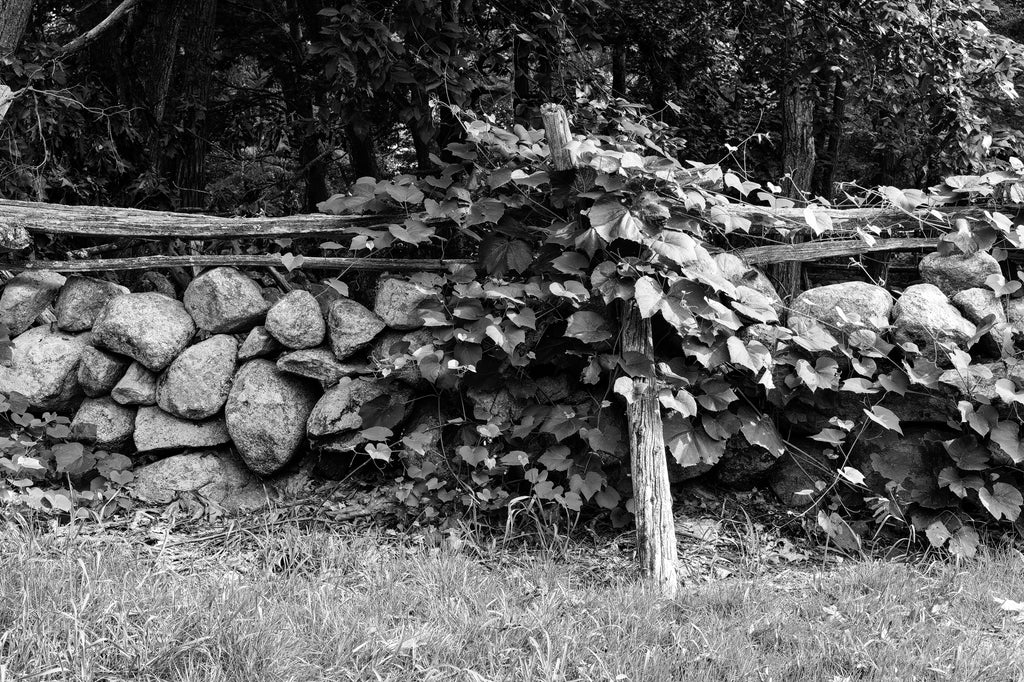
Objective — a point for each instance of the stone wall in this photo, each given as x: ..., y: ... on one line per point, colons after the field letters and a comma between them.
x: 232, y: 380
x: 224, y: 388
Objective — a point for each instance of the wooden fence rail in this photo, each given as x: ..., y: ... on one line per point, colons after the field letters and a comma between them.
x: 20, y: 219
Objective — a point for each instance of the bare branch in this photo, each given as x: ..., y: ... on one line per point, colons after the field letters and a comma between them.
x: 96, y: 31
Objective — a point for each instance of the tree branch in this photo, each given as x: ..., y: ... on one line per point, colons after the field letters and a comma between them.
x: 96, y: 31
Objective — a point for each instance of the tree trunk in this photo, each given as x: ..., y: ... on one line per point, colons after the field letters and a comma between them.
x: 153, y: 52
x: 655, y: 526
x: 797, y: 106
x: 361, y: 149
x: 619, y: 70
x: 798, y: 156
x: 833, y: 137
x: 13, y: 22
x: 194, y: 68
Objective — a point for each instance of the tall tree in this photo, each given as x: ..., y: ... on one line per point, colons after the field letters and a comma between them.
x: 13, y: 22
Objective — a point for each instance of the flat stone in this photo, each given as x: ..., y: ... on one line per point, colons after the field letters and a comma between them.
x: 977, y: 382
x: 158, y: 430
x: 114, y: 424
x: 266, y: 414
x: 977, y: 304
x: 215, y: 475
x: 320, y: 364
x: 296, y: 321
x: 147, y: 327
x: 953, y: 274
x: 81, y: 300
x: 924, y: 316
x: 397, y: 302
x: 351, y: 326
x: 257, y: 344
x: 136, y: 387
x: 863, y: 306
x: 339, y: 408
x: 44, y: 368
x: 99, y: 371
x: 225, y: 300
x: 196, y: 384
x: 26, y: 296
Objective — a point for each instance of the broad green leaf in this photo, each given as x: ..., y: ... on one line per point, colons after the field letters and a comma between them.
x: 588, y: 327
x: 817, y: 219
x: 648, y: 295
x: 884, y: 417
x: 1003, y: 501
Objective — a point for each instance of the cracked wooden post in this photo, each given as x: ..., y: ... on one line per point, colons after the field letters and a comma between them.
x: 652, y: 499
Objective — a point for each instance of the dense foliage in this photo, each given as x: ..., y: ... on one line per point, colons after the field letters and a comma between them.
x: 800, y: 100
x: 263, y: 106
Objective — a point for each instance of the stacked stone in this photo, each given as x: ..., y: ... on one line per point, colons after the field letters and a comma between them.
x: 222, y: 371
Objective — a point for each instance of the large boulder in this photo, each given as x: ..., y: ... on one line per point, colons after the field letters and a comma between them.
x: 863, y: 306
x: 26, y: 296
x: 341, y: 407
x: 44, y: 368
x: 148, y: 327
x: 158, y: 430
x: 225, y: 300
x: 320, y: 364
x: 296, y: 321
x: 257, y: 344
x: 978, y: 304
x: 351, y: 326
x: 196, y: 384
x: 397, y: 301
x: 99, y: 371
x: 81, y: 300
x: 953, y: 274
x: 266, y: 414
x: 136, y: 387
x: 113, y: 424
x: 924, y: 316
x: 740, y: 274
x: 215, y: 475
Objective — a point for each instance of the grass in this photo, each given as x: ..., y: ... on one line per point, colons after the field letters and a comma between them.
x: 315, y: 606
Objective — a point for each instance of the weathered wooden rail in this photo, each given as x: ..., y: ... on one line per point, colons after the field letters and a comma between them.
x: 19, y: 220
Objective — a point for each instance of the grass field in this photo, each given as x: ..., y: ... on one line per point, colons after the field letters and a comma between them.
x: 316, y: 606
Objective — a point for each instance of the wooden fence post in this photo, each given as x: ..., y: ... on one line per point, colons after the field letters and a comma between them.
x: 655, y: 526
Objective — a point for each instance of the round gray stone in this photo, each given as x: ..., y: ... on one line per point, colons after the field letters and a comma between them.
x: 26, y: 296
x: 147, y: 327
x: 397, y: 301
x: 44, y: 368
x: 196, y: 384
x: 136, y: 387
x: 338, y: 410
x: 351, y: 326
x: 99, y: 371
x: 953, y: 274
x: 924, y: 316
x: 320, y: 364
x: 225, y: 300
x: 266, y: 414
x: 296, y: 321
x: 158, y: 430
x: 114, y: 424
x: 81, y: 300
x: 865, y: 306
x: 216, y: 475
x: 257, y: 344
